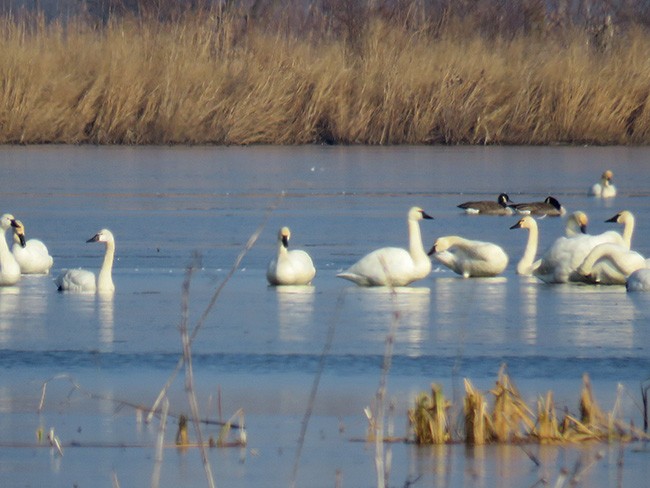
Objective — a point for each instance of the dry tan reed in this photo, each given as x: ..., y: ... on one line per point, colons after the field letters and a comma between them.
x: 218, y: 77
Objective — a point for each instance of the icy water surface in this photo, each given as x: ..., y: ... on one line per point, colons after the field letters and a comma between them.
x: 262, y: 348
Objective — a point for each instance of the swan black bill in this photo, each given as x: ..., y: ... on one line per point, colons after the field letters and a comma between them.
x: 94, y: 238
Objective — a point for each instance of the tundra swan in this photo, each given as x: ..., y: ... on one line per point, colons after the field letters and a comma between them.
x: 626, y: 218
x: 502, y: 206
x: 604, y: 188
x: 289, y: 267
x: 527, y: 263
x: 81, y: 280
x: 639, y: 280
x: 469, y: 258
x: 32, y: 255
x: 550, y: 206
x: 576, y: 224
x: 610, y: 264
x: 9, y: 267
x: 394, y: 266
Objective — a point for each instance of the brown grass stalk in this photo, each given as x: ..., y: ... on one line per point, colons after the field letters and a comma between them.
x: 233, y: 76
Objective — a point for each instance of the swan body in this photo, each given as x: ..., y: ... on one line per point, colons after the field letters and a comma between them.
x: 394, y: 266
x: 550, y: 206
x: 604, y: 188
x: 527, y: 263
x: 639, y: 280
x: 502, y: 206
x: 610, y: 264
x: 83, y: 281
x: 32, y: 255
x: 9, y: 267
x: 290, y: 267
x: 470, y: 258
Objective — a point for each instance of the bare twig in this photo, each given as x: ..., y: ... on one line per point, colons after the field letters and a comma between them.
x: 160, y: 442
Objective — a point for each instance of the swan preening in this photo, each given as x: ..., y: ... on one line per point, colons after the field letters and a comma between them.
x: 610, y: 264
x: 604, y: 188
x: 81, y: 280
x: 470, y: 258
x: 638, y: 280
x: 289, y: 267
x: 9, y: 267
x: 394, y: 266
x: 502, y: 206
x: 32, y: 255
x: 550, y: 206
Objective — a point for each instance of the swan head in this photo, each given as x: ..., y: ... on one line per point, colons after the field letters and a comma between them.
x: 7, y: 221
x: 526, y: 222
x: 504, y: 200
x: 441, y: 244
x: 607, y: 176
x: 622, y: 217
x: 576, y: 223
x: 284, y: 235
x: 19, y: 232
x: 416, y: 213
x: 103, y: 235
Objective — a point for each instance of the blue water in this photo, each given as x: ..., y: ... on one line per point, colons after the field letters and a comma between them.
x: 262, y: 347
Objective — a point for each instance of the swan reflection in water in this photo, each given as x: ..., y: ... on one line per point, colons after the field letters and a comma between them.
x: 106, y: 318
x: 9, y: 311
x: 295, y: 310
x: 380, y: 304
x: 23, y: 308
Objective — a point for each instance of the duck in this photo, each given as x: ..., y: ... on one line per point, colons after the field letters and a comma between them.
x: 610, y: 264
x: 9, y: 267
x: 604, y: 188
x: 550, y: 206
x: 638, y: 280
x: 394, y: 266
x: 502, y: 206
x: 32, y: 255
x: 83, y: 281
x: 469, y: 258
x: 527, y: 263
x: 289, y: 267
x: 560, y: 262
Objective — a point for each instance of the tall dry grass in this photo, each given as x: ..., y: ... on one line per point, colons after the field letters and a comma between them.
x: 221, y: 75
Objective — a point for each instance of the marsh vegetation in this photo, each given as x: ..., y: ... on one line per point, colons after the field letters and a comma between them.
x: 335, y: 71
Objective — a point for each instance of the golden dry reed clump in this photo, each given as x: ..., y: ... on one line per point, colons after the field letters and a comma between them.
x: 230, y: 75
x: 510, y: 420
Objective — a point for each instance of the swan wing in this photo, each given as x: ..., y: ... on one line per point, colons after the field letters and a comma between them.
x: 76, y: 280
x: 34, y: 258
x: 386, y: 266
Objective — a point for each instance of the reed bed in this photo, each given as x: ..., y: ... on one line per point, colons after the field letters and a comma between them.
x: 227, y: 75
x: 511, y: 420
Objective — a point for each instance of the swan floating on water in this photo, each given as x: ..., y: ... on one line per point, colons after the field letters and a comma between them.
x: 32, y: 255
x: 502, y: 206
x: 550, y: 206
x: 9, y: 267
x: 527, y: 263
x: 604, y: 188
x: 394, y: 266
x: 290, y: 267
x: 639, y: 280
x: 81, y: 280
x: 610, y: 264
x: 470, y: 258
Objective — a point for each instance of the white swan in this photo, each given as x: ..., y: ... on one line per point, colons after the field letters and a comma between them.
x: 639, y: 280
x: 560, y: 262
x: 527, y: 263
x: 470, y: 258
x: 502, y: 206
x: 626, y: 218
x: 604, y: 188
x: 576, y: 224
x: 32, y: 255
x: 610, y: 264
x: 290, y: 267
x: 81, y: 280
x: 394, y: 266
x: 550, y: 206
x: 9, y: 267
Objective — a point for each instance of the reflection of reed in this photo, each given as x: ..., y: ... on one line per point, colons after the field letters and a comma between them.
x: 106, y: 327
x: 295, y: 309
x: 379, y: 304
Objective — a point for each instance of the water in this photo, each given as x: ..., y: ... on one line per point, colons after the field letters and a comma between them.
x: 261, y: 348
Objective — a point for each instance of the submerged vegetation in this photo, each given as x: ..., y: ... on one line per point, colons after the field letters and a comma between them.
x: 511, y: 420
x: 329, y: 71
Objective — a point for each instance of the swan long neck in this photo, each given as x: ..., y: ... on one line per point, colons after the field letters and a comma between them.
x: 4, y: 248
x: 628, y: 230
x: 416, y: 248
x: 526, y: 261
x: 105, y: 278
x: 611, y: 251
